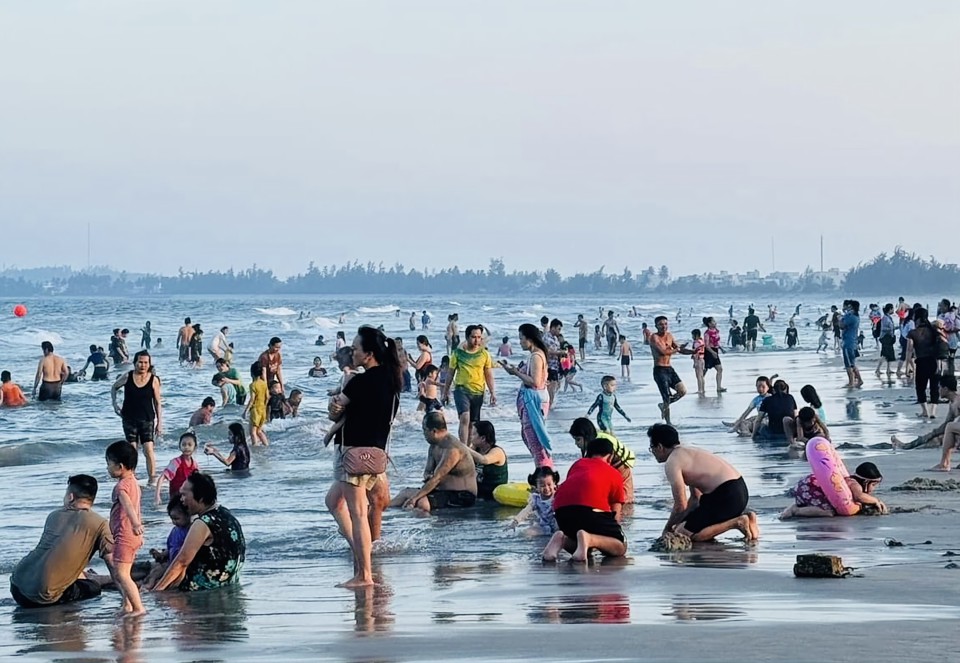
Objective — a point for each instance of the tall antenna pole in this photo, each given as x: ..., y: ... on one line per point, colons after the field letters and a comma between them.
x: 88, y: 245
x: 821, y: 253
x: 773, y: 256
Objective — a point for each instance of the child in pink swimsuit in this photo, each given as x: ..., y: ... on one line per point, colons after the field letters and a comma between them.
x: 125, y: 524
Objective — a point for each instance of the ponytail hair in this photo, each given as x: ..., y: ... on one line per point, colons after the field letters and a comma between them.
x: 781, y: 387
x: 384, y: 351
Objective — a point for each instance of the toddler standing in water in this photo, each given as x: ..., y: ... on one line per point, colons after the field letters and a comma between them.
x: 697, y: 351
x: 607, y: 403
x: 125, y: 524
x: 597, y: 339
x: 822, y: 343
x: 544, y: 482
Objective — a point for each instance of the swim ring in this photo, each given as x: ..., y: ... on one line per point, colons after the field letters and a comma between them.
x: 512, y: 494
x: 830, y: 472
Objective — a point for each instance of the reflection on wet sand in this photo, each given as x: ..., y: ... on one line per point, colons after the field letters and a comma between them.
x: 687, y: 609
x: 445, y: 574
x: 127, y: 640
x: 200, y: 618
x: 59, y: 628
x: 589, y: 609
x: 713, y: 555
x: 372, y: 609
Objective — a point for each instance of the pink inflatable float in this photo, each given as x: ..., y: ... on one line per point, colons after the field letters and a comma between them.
x: 830, y: 472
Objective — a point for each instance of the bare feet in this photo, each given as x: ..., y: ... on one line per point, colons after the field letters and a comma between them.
x: 754, y: 526
x: 895, y: 442
x: 582, y: 553
x: 747, y: 524
x: 552, y: 551
x: 356, y: 581
x: 940, y: 468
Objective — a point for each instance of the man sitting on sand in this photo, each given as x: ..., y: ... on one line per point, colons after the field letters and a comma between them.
x: 450, y: 477
x: 718, y: 494
x: 588, y: 506
x: 52, y: 573
x: 948, y: 394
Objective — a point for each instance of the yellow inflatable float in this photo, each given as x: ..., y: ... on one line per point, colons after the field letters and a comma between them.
x: 512, y: 494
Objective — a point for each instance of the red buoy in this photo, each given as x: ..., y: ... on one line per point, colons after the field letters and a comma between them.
x: 19, y: 310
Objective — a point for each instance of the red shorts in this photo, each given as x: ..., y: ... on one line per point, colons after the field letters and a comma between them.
x: 125, y: 551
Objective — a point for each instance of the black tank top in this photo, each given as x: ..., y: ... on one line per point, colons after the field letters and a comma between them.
x: 138, y: 401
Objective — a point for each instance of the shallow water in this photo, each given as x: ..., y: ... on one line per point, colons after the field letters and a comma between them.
x: 457, y: 569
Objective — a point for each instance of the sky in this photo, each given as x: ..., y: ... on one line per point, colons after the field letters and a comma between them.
x: 706, y: 136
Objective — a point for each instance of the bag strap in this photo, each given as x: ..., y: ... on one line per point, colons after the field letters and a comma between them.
x: 386, y: 447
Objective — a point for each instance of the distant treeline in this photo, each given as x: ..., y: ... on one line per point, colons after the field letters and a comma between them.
x: 897, y: 273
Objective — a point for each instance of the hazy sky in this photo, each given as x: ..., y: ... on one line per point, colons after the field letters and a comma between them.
x: 222, y: 133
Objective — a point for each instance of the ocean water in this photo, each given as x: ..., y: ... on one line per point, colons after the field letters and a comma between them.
x: 453, y: 568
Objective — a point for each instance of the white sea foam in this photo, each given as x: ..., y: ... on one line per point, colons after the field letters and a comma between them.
x: 389, y: 308
x: 32, y: 336
x: 325, y: 323
x: 280, y: 310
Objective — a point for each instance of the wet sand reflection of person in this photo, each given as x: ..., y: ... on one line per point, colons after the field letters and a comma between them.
x: 589, y: 609
x: 58, y: 628
x: 202, y: 618
x: 372, y: 609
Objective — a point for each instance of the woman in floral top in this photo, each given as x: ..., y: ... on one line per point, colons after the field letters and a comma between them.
x: 213, y: 553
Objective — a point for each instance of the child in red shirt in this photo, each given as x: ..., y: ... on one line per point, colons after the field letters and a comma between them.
x: 180, y: 468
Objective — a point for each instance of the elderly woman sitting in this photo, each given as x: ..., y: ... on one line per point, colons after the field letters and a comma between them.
x: 213, y: 552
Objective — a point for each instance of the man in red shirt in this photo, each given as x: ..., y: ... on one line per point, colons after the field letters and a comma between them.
x: 588, y: 505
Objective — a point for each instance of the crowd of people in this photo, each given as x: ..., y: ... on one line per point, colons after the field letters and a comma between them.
x: 464, y: 465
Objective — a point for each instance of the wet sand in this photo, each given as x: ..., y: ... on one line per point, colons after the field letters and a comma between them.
x: 495, y: 599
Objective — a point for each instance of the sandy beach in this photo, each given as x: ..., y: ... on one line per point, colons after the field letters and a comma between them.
x: 467, y: 589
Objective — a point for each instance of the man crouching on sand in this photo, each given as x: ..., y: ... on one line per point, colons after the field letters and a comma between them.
x: 588, y: 505
x: 718, y: 494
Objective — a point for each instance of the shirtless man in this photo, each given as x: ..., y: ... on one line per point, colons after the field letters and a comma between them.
x: 718, y: 494
x: 51, y: 374
x: 184, y: 336
x: 662, y: 347
x: 583, y: 330
x: 612, y: 332
x: 452, y: 335
x: 450, y: 476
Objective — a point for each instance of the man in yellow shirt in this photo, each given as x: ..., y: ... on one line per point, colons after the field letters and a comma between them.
x: 471, y: 374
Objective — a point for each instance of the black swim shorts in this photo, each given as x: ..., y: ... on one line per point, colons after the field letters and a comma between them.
x: 49, y: 391
x: 572, y: 519
x: 583, y: 343
x: 751, y: 334
x: 451, y: 499
x: 553, y: 375
x: 666, y: 378
x: 430, y: 404
x: 138, y: 432
x: 728, y: 500
x: 81, y: 590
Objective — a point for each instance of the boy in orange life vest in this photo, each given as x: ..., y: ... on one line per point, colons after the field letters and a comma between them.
x: 180, y: 468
